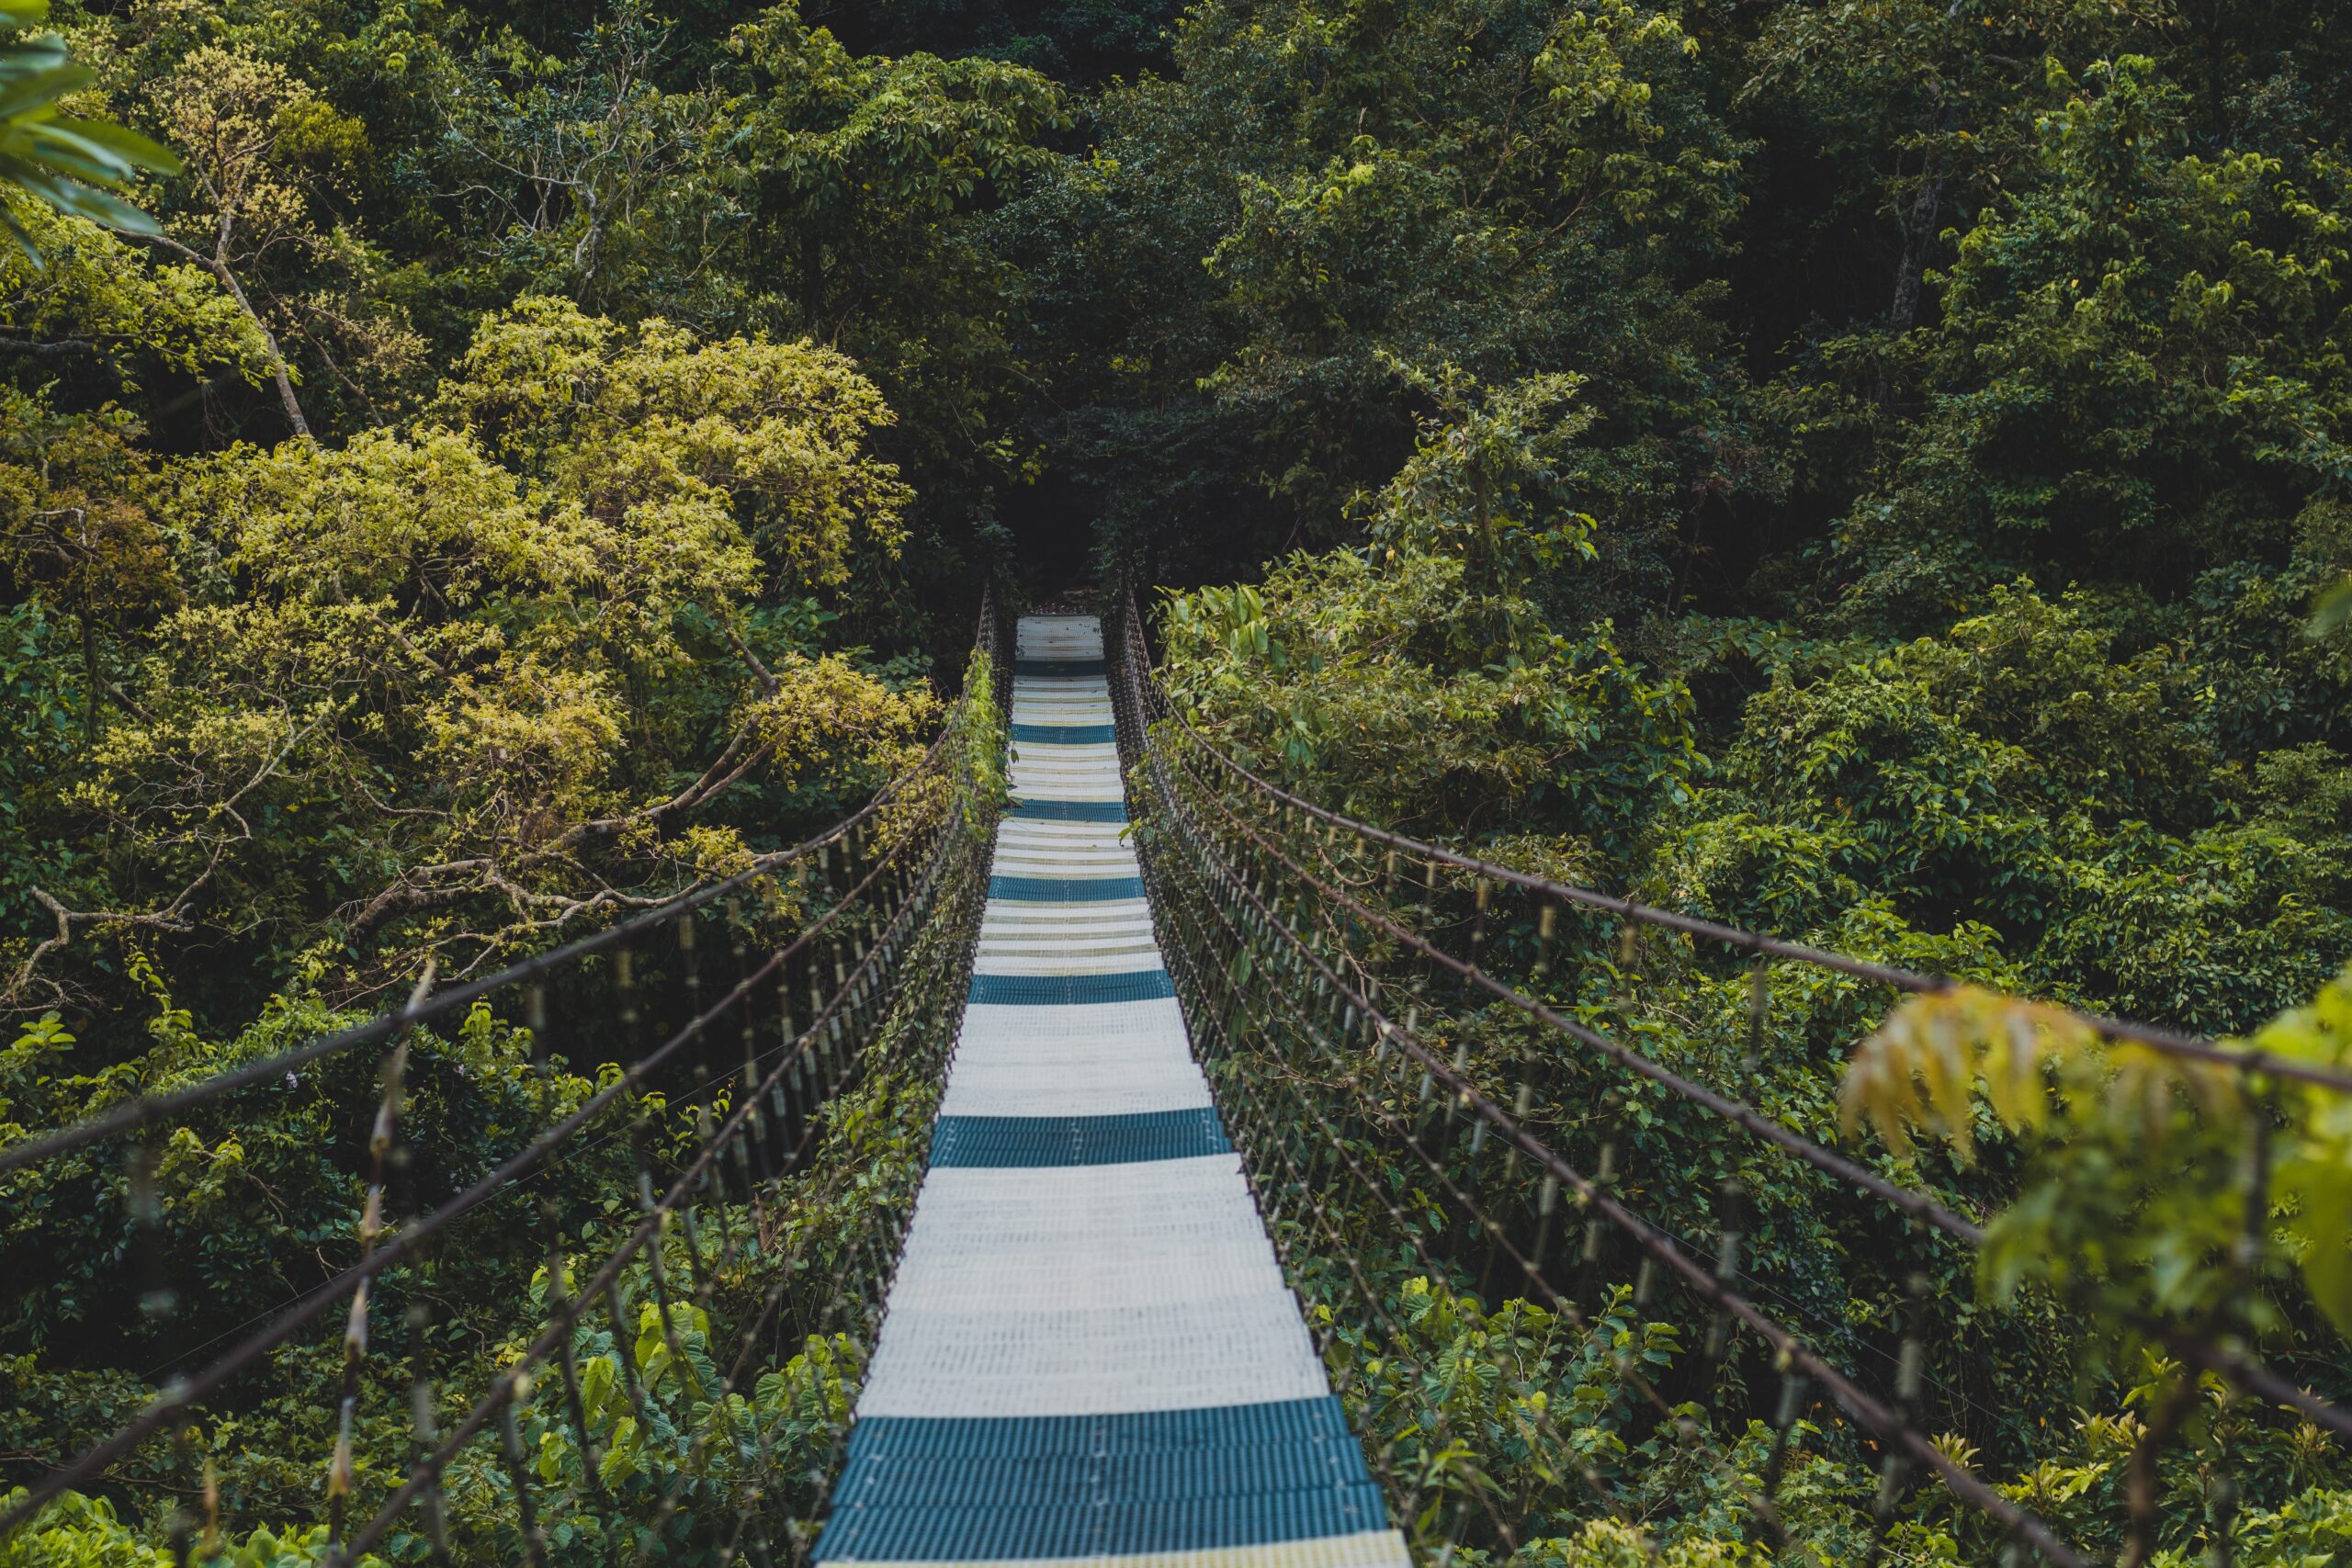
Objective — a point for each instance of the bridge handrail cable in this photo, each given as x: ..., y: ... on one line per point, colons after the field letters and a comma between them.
x: 2168, y: 1041
x: 1150, y: 722
x: 880, y: 911
x: 426, y: 1003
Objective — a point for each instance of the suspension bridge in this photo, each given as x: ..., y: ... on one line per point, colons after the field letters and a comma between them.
x: 1089, y: 1349
x: 1152, y: 1028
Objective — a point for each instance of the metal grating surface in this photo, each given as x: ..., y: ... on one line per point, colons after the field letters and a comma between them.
x: 1045, y: 991
x: 1064, y: 889
x: 1089, y: 1352
x: 1077, y: 1140
x: 1043, y: 811
x: 1063, y: 734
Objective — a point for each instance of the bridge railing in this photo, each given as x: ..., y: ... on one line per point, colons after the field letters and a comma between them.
x: 1309, y: 947
x: 719, y: 1213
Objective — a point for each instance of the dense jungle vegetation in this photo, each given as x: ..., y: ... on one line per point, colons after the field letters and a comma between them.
x: 1870, y: 470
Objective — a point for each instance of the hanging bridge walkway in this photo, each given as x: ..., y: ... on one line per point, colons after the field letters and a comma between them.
x: 994, y: 1177
x: 1090, y: 1349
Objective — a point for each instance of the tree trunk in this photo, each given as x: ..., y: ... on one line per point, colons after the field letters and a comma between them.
x: 217, y: 266
x: 92, y: 685
x: 1927, y: 204
x: 302, y: 426
x: 1904, y: 313
x: 1919, y: 227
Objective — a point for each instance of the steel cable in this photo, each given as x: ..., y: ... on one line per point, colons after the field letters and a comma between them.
x: 2168, y: 1041
x: 885, y: 878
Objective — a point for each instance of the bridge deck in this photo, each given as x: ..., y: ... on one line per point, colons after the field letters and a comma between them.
x: 1089, y: 1351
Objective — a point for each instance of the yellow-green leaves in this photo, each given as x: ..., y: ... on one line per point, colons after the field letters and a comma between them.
x: 222, y: 107
x: 1922, y: 1067
x: 76, y: 1531
x: 531, y: 620
x: 2140, y: 1165
x: 92, y: 284
x: 689, y: 1326
x: 817, y: 703
x: 709, y: 450
x: 423, y: 512
x: 2313, y: 1170
x: 529, y: 739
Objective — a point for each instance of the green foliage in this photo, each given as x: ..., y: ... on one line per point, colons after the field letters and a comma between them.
x: 1347, y: 673
x: 71, y: 163
x: 2015, y: 772
x: 2143, y: 1200
x: 1512, y: 1400
x: 1282, y: 259
x: 856, y: 168
x: 2138, y: 369
x: 83, y: 1532
x: 443, y: 655
x: 1412, y: 677
x: 95, y: 303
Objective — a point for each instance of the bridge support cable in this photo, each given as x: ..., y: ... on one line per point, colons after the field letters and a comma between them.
x: 875, y: 1022
x: 1883, y: 1420
x: 1325, y: 941
x: 764, y: 1217
x: 1255, y: 1018
x: 2224, y: 1360
x: 1213, y: 959
x: 426, y: 1004
x: 1470, y: 870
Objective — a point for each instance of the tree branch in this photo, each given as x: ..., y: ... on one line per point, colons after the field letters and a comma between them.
x: 218, y: 267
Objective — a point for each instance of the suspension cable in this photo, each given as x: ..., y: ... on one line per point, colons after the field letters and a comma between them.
x: 941, y: 834
x: 1916, y: 1205
x: 1866, y: 1409
x: 183, y: 1392
x: 2221, y: 1360
x: 2171, y: 1042
x: 1556, y: 1300
x: 502, y: 1390
x: 422, y: 1006
x: 1149, y: 715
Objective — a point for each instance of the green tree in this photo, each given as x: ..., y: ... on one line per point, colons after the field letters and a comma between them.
x: 2138, y: 374
x: 1330, y: 207
x: 856, y: 171
x: 453, y: 666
